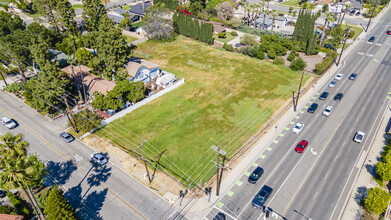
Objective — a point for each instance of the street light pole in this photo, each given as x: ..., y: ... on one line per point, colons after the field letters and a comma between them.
x: 343, y: 46
x: 371, y: 16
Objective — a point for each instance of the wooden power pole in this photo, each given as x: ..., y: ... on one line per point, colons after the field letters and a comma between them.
x: 298, y: 92
x: 217, y: 149
x: 71, y: 116
x: 145, y: 163
x: 2, y: 76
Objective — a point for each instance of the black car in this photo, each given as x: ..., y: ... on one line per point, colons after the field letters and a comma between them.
x: 255, y: 175
x: 353, y: 76
x: 66, y: 137
x: 219, y: 216
x: 261, y: 197
x: 338, y: 97
x: 312, y: 108
x: 371, y: 39
x: 323, y: 96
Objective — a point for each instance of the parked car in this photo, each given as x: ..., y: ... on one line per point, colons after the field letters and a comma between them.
x: 300, y: 147
x: 372, y: 39
x: 219, y: 216
x: 359, y: 136
x: 298, y: 127
x: 238, y: 44
x: 338, y: 97
x: 261, y: 197
x: 312, y: 108
x: 323, y: 96
x: 389, y: 32
x: 338, y: 76
x: 255, y: 175
x: 352, y: 12
x: 353, y: 76
x: 8, y: 123
x: 332, y: 83
x: 328, y: 111
x: 99, y: 158
x: 110, y: 112
x: 358, y: 13
x: 67, y: 137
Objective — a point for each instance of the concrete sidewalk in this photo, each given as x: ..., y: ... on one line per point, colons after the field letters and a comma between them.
x: 202, y: 207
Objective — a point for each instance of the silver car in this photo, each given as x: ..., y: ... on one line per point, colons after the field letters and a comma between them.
x: 99, y: 158
x: 332, y: 83
x: 328, y: 111
x: 359, y: 136
x: 8, y: 123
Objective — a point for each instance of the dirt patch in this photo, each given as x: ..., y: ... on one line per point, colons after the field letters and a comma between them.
x: 311, y: 61
x: 161, y: 183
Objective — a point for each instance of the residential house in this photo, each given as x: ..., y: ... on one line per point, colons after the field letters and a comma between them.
x: 11, y: 217
x: 279, y: 22
x: 91, y: 82
x: 142, y: 70
x: 138, y: 11
x: 324, y: 2
x: 354, y: 4
x: 337, y: 8
x: 115, y: 18
x: 166, y: 80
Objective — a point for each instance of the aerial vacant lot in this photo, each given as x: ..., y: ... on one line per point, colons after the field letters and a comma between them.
x: 226, y: 98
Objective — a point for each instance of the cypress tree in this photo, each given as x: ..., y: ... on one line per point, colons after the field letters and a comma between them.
x: 57, y: 207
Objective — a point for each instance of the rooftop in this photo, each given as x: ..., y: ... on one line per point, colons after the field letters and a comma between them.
x: 135, y: 63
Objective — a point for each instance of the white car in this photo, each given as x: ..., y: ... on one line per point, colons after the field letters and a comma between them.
x: 332, y: 83
x: 328, y: 111
x: 359, y: 136
x: 8, y: 123
x: 338, y: 76
x: 298, y: 127
x: 99, y: 158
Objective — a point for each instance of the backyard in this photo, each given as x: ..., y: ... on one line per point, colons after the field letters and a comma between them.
x: 226, y: 98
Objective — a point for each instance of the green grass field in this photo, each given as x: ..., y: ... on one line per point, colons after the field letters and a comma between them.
x: 126, y: 7
x: 357, y: 30
x: 138, y: 24
x: 226, y: 98
x: 224, y: 40
x: 294, y: 3
x: 129, y: 39
x: 77, y: 6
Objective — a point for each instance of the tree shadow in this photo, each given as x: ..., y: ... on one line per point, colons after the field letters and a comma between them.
x: 157, y: 163
x: 60, y: 172
x: 360, y: 194
x: 102, y: 174
x: 94, y: 202
x: 371, y: 169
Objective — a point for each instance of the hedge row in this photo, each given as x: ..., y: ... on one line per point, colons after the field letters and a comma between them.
x: 321, y: 67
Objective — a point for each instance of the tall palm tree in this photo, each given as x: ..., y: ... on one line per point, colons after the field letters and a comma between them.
x: 347, y: 6
x: 329, y: 17
x: 12, y: 146
x: 247, y: 9
x: 265, y: 12
x: 257, y: 8
x: 274, y: 14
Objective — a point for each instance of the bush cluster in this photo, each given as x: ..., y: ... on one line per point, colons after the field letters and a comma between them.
x: 222, y: 35
x: 298, y: 64
x: 322, y: 66
x: 279, y: 61
x: 228, y: 47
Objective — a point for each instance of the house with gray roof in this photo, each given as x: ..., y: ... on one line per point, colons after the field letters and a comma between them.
x: 139, y: 9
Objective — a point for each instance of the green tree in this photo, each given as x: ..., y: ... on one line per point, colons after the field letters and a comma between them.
x: 383, y: 170
x: 111, y: 46
x: 304, y: 30
x: 12, y: 147
x: 248, y: 39
x: 158, y: 26
x: 271, y: 53
x: 377, y: 200
x: 57, y: 207
x: 48, y: 8
x: 261, y: 55
x: 85, y: 57
x: 8, y: 23
x: 39, y: 31
x: 93, y: 12
x: 67, y: 14
x: 325, y: 8
x: 298, y: 64
x: 86, y: 120
x: 99, y: 101
x: 40, y: 51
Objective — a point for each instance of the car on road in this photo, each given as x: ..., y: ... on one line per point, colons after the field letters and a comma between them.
x: 255, y: 175
x: 389, y: 32
x: 298, y: 127
x: 312, y: 108
x: 358, y: 13
x: 353, y: 76
x: 323, y: 96
x: 338, y: 97
x: 328, y: 111
x: 338, y: 76
x: 67, y: 137
x: 300, y: 147
x: 261, y: 197
x: 8, y: 123
x: 371, y: 39
x: 99, y: 158
x: 359, y: 137
x: 332, y: 83
x: 219, y: 216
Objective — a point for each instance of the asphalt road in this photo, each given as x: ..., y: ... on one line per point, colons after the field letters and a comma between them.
x: 315, y: 184
x: 98, y: 192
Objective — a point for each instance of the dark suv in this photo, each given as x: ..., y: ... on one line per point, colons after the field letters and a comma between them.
x: 353, y: 76
x: 255, y: 175
x: 261, y: 197
x: 312, y: 108
x: 371, y: 39
x: 323, y: 96
x: 338, y: 97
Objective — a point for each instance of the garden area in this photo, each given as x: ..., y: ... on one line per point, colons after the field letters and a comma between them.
x: 226, y: 98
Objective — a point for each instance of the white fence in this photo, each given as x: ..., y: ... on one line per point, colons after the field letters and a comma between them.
x: 143, y: 102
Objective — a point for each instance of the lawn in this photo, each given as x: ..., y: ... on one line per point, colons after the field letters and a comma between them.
x: 226, y: 98
x: 129, y: 39
x: 294, y: 3
x: 138, y: 24
x: 126, y: 7
x: 77, y: 6
x: 357, y: 30
x: 224, y: 40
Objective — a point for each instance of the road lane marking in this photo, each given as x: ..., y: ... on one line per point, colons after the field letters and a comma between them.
x: 275, y: 142
x: 67, y: 158
x: 301, y: 112
x: 239, y: 183
x: 220, y: 204
x: 377, y: 44
x: 230, y: 193
x: 309, y: 102
x: 317, y: 93
x: 305, y: 106
x: 291, y: 122
x: 314, y: 97
x: 255, y: 164
x: 247, y: 173
x: 326, y: 175
x: 369, y: 55
x: 286, y: 129
x: 262, y: 156
x: 315, y: 195
x: 360, y: 53
x: 268, y: 148
x: 297, y: 117
x: 281, y: 135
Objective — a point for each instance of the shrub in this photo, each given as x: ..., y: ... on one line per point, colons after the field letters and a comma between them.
x: 253, y: 51
x: 246, y: 50
x: 298, y: 64
x: 5, y: 209
x: 14, y: 87
x: 212, y: 11
x: 377, y: 200
x: 321, y: 67
x: 14, y: 201
x: 228, y: 47
x: 222, y: 35
x: 271, y: 53
x: 279, y: 61
x: 214, y: 19
x: 261, y: 55
x: 234, y: 33
x: 291, y: 56
x: 248, y: 39
x: 280, y: 50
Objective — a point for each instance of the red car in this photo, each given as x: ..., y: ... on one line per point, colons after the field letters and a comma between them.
x: 389, y: 32
x: 301, y: 146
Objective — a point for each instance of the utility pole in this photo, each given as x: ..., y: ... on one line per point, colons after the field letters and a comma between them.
x: 217, y: 149
x: 293, y: 100
x: 343, y: 46
x: 81, y: 75
x: 2, y: 76
x: 71, y: 118
x: 145, y: 163
x: 374, y: 9
x: 298, y: 92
